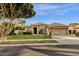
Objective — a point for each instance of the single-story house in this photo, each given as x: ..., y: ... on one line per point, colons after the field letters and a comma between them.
x: 54, y: 28
x: 73, y: 28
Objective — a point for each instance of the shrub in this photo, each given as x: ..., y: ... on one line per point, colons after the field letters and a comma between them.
x: 77, y: 33
x: 26, y: 33
x: 19, y: 28
x: 12, y: 32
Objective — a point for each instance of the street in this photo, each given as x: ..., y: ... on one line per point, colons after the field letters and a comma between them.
x: 40, y: 50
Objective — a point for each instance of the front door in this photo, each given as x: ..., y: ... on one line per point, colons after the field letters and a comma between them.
x: 35, y: 30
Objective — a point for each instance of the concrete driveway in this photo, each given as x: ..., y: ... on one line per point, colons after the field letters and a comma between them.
x: 66, y: 39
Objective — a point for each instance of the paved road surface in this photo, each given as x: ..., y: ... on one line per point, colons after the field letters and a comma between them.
x: 40, y: 50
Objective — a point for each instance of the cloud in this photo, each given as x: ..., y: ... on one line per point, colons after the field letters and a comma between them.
x: 65, y: 11
x: 41, y: 13
x: 62, y: 12
x: 55, y: 9
x: 46, y: 7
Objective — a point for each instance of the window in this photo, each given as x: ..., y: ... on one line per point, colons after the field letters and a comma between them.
x: 41, y: 31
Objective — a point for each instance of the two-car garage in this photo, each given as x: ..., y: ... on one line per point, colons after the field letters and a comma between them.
x: 58, y: 29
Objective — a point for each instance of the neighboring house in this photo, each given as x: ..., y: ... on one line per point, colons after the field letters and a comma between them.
x: 73, y: 27
x: 20, y: 24
x: 28, y: 29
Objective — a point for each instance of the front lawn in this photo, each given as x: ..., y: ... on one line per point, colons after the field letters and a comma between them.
x: 18, y: 39
x: 21, y: 36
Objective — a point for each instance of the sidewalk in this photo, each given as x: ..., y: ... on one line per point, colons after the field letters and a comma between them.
x: 26, y: 40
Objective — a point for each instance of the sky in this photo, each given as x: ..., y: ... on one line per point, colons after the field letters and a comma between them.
x: 48, y: 13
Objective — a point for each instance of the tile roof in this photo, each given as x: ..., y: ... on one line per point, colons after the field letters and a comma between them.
x: 57, y: 24
x: 40, y: 23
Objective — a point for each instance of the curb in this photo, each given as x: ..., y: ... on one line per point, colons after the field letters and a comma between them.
x: 43, y: 44
x: 27, y: 40
x: 2, y: 45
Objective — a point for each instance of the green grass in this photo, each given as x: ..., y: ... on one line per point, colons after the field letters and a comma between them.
x: 29, y: 42
x: 77, y: 34
x: 21, y: 36
x: 48, y: 41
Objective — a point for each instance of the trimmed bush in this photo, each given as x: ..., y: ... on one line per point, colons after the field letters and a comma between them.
x: 19, y: 28
x: 77, y: 33
x: 12, y: 32
x: 26, y: 33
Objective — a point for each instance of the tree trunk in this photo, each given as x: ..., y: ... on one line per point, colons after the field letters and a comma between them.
x: 4, y: 38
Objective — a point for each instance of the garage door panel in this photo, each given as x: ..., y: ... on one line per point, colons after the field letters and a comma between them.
x: 59, y: 31
x: 56, y: 31
x: 63, y: 31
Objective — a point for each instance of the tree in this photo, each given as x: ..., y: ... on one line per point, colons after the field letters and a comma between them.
x: 11, y: 12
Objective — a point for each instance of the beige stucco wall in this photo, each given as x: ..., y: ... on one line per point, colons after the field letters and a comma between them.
x: 39, y: 28
x: 48, y: 29
x: 71, y: 28
x: 42, y: 28
x: 77, y: 28
x: 18, y: 31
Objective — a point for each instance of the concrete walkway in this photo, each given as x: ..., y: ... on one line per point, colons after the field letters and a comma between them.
x: 66, y: 39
